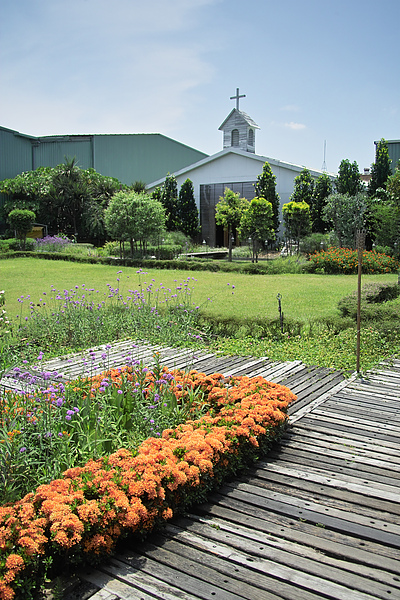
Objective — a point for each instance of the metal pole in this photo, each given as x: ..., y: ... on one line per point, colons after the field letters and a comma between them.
x: 360, y: 248
x: 279, y: 298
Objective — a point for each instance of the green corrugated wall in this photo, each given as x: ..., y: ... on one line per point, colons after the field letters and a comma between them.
x: 128, y: 157
x: 394, y: 153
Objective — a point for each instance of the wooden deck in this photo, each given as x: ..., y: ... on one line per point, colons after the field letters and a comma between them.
x: 318, y: 518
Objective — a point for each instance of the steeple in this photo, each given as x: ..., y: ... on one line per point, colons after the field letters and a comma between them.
x: 238, y: 128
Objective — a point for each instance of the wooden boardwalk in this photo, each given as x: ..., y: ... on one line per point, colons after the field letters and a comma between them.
x: 319, y: 517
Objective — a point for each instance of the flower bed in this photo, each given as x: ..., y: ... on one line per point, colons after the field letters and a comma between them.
x: 345, y: 261
x: 85, y: 512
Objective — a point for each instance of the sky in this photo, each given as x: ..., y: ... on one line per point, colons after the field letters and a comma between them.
x: 320, y: 77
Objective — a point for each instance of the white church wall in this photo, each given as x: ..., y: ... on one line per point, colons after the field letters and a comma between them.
x: 237, y: 166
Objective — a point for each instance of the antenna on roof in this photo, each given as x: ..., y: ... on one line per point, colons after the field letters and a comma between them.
x: 324, y: 169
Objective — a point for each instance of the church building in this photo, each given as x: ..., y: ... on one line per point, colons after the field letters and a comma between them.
x: 236, y: 167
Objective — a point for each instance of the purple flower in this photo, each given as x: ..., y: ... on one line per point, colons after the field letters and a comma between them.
x: 23, y: 449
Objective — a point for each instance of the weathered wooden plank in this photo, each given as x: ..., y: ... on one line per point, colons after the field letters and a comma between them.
x: 352, y: 523
x: 339, y: 481
x: 119, y: 582
x: 334, y: 465
x: 292, y: 555
x: 347, y: 454
x: 188, y: 576
x: 354, y: 408
x: 281, y: 528
x: 211, y: 567
x: 311, y: 404
x: 293, y: 528
x: 349, y: 425
x: 327, y: 414
x: 297, y: 576
x: 300, y: 483
x: 336, y: 429
x: 302, y: 433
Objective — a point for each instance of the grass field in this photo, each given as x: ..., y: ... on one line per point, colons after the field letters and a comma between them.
x: 304, y: 297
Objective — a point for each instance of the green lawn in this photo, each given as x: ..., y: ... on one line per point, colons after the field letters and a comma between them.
x: 254, y: 296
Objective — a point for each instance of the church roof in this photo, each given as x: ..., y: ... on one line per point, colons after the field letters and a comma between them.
x: 241, y: 114
x: 238, y: 152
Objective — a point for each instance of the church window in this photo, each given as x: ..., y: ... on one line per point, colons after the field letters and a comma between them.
x: 235, y: 137
x: 251, y: 137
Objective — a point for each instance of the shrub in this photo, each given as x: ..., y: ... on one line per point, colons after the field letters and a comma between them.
x: 313, y: 243
x: 14, y: 244
x: 371, y: 295
x: 84, y: 513
x: 345, y: 261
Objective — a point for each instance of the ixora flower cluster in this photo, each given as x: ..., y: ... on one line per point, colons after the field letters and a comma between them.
x: 91, y: 507
x: 345, y: 261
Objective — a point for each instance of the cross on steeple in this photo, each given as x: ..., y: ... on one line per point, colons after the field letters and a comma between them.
x: 237, y: 98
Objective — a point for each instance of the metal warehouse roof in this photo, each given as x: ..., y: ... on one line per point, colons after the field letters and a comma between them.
x: 128, y: 157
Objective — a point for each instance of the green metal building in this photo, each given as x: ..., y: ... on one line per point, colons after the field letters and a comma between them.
x: 394, y: 152
x: 128, y: 157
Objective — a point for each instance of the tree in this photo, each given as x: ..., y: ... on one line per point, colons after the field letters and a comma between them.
x: 257, y: 223
x: 303, y: 188
x: 21, y: 221
x: 386, y: 215
x: 68, y: 196
x: 187, y: 213
x: 135, y: 218
x: 296, y: 216
x: 322, y: 189
x: 138, y: 186
x: 380, y: 170
x: 65, y: 197
x: 348, y: 180
x: 169, y: 199
x: 228, y: 213
x: 347, y: 214
x: 27, y: 190
x: 265, y: 187
x: 393, y: 186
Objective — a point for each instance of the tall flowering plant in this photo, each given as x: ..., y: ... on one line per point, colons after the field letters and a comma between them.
x: 86, y: 511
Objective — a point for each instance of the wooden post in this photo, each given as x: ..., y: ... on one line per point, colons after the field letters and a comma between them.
x: 360, y: 249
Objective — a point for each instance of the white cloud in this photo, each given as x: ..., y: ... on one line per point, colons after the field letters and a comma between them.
x: 97, y: 67
x: 295, y: 126
x: 290, y: 108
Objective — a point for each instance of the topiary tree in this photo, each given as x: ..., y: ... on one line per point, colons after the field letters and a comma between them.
x: 297, y: 219
x: 380, y: 170
x: 265, y: 187
x: 303, y: 188
x: 21, y: 220
x: 169, y: 199
x: 257, y: 223
x: 322, y: 189
x: 228, y: 213
x: 348, y: 180
x: 187, y: 213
